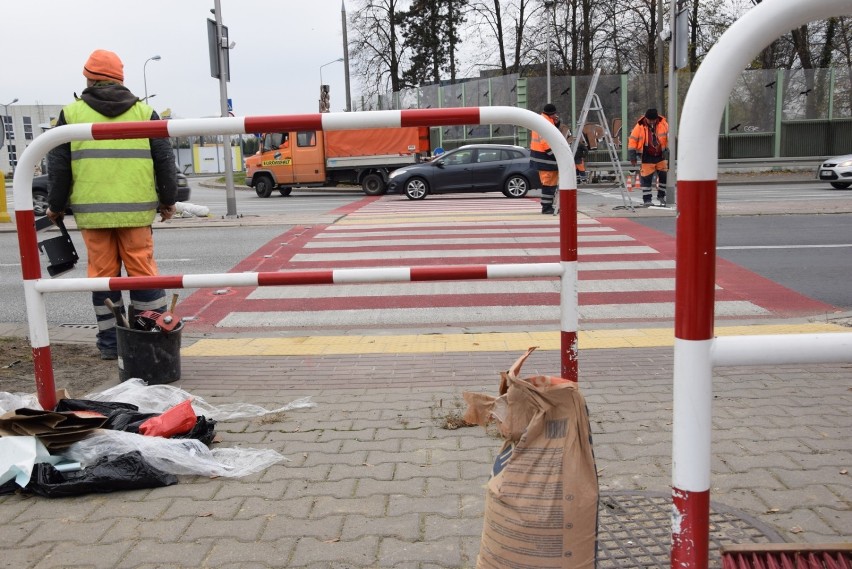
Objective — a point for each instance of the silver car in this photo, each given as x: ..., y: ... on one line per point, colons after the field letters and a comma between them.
x: 837, y: 171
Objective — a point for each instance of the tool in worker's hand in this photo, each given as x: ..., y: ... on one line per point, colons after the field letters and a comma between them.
x: 117, y: 312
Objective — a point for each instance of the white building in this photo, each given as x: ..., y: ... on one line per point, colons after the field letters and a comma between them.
x: 21, y: 125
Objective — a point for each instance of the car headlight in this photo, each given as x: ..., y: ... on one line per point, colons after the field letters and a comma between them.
x: 845, y: 163
x: 182, y: 182
x: 394, y: 174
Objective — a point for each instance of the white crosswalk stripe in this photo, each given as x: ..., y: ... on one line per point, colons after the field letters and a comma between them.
x: 635, y: 282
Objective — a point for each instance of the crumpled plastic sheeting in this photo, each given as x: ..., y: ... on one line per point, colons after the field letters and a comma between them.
x: 12, y: 401
x: 17, y: 457
x: 174, y: 456
x: 159, y: 398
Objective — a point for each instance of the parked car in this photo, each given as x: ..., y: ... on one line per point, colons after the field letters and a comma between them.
x: 472, y: 168
x: 41, y: 187
x: 837, y: 171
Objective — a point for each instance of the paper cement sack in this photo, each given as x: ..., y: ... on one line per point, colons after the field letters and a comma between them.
x: 541, y: 506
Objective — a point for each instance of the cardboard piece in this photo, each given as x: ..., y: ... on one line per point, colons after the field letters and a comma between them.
x: 56, y: 430
x: 541, y: 504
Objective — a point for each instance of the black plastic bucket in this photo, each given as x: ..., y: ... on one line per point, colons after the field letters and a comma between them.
x: 151, y: 356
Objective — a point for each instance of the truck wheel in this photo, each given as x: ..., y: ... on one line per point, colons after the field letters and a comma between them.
x: 285, y: 191
x: 516, y: 187
x: 263, y: 186
x: 416, y: 189
x: 841, y: 185
x: 373, y: 185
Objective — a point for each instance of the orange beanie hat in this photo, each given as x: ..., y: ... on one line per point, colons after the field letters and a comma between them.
x: 104, y: 65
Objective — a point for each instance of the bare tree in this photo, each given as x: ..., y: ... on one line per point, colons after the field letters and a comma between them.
x: 502, y: 27
x: 376, y: 46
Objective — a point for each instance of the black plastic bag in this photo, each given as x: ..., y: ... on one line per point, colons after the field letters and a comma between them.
x: 120, y: 416
x: 204, y: 430
x: 128, y: 471
x: 126, y: 417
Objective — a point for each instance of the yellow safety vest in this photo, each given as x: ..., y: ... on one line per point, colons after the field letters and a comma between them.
x: 113, y: 182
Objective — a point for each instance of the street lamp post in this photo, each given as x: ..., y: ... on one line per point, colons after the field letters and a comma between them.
x: 145, y: 75
x: 320, y: 71
x: 548, y: 4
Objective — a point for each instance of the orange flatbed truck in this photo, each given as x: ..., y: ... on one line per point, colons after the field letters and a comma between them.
x: 316, y: 158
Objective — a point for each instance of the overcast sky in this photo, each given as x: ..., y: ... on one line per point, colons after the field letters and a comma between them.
x: 275, y: 65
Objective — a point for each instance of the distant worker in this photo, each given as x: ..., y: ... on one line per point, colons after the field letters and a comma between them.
x: 114, y: 188
x: 543, y: 160
x: 649, y: 144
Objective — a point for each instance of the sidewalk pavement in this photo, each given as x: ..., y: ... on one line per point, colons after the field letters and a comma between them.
x: 379, y: 475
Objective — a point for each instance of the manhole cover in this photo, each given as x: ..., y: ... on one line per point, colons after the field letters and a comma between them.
x: 635, y: 530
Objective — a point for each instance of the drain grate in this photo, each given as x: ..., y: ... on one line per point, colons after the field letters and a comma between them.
x: 80, y: 326
x: 635, y: 530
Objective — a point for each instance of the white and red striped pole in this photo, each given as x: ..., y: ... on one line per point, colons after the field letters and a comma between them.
x: 696, y: 260
x: 34, y: 287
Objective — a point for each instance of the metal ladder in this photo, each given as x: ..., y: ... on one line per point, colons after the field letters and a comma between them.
x: 593, y: 104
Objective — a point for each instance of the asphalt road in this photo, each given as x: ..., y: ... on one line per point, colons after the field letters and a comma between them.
x: 811, y: 254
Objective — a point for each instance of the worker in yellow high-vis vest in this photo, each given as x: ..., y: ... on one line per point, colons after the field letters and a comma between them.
x: 114, y: 189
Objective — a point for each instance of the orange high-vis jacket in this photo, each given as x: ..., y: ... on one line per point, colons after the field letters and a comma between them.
x: 640, y: 137
x: 541, y: 156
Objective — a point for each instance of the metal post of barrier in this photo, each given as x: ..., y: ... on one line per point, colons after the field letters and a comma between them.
x: 34, y: 287
x: 696, y: 261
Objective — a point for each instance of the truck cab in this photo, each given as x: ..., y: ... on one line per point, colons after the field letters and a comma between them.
x: 286, y: 159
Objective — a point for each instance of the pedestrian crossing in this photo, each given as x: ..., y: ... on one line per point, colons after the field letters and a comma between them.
x: 626, y: 272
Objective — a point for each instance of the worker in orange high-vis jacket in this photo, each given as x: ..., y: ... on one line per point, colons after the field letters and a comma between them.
x: 543, y: 160
x: 649, y: 144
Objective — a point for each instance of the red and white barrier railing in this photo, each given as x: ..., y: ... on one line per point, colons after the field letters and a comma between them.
x: 696, y: 351
x: 35, y: 286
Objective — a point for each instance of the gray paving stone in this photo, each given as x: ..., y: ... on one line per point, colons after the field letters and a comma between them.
x: 112, y: 509
x: 839, y: 518
x: 61, y: 530
x: 372, y: 506
x: 87, y: 555
x: 294, y: 471
x: 361, y: 552
x: 786, y: 500
x: 800, y: 524
x: 14, y: 534
x: 364, y: 470
x: 336, y: 488
x: 323, y: 529
x: 391, y: 445
x: 806, y: 478
x: 448, y: 505
x: 256, y: 506
x: 405, y: 527
x: 206, y: 527
x: 189, y: 554
x: 443, y: 552
x: 130, y: 529
x: 268, y: 553
x: 371, y: 487
x: 440, y: 527
x: 185, y: 507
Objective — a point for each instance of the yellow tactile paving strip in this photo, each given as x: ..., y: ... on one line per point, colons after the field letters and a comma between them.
x: 493, y: 342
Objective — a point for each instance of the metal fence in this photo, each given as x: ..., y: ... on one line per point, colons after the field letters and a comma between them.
x: 770, y: 113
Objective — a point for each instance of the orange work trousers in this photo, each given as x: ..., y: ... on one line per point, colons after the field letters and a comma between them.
x: 108, y: 248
